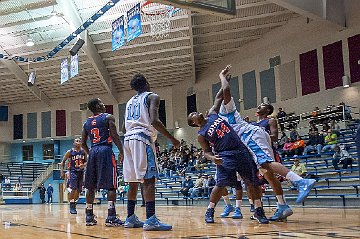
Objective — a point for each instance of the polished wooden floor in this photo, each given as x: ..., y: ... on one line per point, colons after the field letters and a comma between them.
x: 54, y: 221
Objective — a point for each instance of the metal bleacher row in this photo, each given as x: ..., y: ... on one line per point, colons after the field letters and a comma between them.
x: 333, y: 188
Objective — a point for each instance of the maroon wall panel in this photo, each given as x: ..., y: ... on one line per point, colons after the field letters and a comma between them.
x: 333, y: 65
x: 354, y: 57
x: 60, y: 123
x: 309, y: 72
x: 109, y: 109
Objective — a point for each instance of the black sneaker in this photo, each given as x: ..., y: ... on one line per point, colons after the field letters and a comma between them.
x: 252, y: 208
x: 259, y: 215
x: 209, y: 215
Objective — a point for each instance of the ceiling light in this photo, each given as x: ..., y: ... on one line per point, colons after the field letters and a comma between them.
x: 30, y: 42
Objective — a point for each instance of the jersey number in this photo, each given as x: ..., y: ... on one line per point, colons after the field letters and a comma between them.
x: 222, y: 131
x: 96, y: 135
x: 133, y: 111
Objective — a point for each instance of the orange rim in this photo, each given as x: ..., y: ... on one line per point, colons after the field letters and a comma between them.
x: 151, y: 14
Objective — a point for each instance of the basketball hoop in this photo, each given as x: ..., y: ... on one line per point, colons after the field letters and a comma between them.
x: 158, y: 15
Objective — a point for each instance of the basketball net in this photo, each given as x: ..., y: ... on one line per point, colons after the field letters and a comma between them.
x: 158, y: 15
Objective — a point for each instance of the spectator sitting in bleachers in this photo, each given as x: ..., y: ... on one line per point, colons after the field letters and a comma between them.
x: 186, y: 185
x: 211, y: 183
x: 287, y: 148
x: 7, y: 183
x: 314, y: 143
x: 298, y: 146
x: 341, y: 156
x: 293, y: 133
x: 335, y: 127
x: 205, y: 186
x: 330, y: 141
x: 281, y: 116
x: 299, y: 168
x: 196, y: 191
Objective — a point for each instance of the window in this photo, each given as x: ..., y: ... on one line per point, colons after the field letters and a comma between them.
x: 48, y: 151
x: 28, y: 153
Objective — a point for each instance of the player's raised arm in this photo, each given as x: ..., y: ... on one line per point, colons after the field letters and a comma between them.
x: 274, y: 131
x: 225, y: 86
x: 115, y: 136
x: 84, y: 137
x: 217, y: 103
x: 154, y: 102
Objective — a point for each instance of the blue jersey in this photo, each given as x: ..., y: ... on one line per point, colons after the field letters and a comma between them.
x: 97, y: 127
x: 264, y: 124
x: 219, y: 133
x: 77, y: 158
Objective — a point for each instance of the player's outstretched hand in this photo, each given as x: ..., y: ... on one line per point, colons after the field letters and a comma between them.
x: 176, y: 143
x: 216, y: 159
x: 225, y: 71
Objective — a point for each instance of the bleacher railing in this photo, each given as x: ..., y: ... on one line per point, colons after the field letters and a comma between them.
x: 12, y: 194
x: 42, y: 177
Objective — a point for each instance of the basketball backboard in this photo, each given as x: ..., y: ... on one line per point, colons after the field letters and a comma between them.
x: 217, y: 7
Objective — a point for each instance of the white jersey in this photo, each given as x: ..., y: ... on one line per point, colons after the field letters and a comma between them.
x: 137, y: 117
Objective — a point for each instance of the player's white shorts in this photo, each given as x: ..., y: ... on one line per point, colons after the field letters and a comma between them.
x: 139, y: 158
x: 255, y: 138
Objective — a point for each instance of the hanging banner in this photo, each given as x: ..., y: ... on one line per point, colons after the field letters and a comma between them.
x: 134, y: 23
x: 118, y: 34
x: 64, y: 69
x: 74, y: 66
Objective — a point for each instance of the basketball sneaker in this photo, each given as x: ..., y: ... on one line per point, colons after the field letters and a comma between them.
x: 73, y: 208
x: 237, y: 214
x: 113, y: 221
x: 304, y: 187
x: 133, y: 222
x: 252, y: 208
x: 209, y: 215
x: 281, y: 213
x: 154, y: 224
x: 259, y: 215
x: 90, y: 219
x: 227, y: 210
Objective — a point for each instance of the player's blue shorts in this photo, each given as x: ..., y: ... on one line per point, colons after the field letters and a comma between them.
x: 76, y: 180
x: 101, y: 168
x: 236, y: 161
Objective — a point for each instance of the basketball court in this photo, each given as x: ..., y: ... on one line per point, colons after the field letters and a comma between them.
x: 53, y: 221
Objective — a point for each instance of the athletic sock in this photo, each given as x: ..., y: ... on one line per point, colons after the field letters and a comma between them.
x: 212, y: 205
x: 111, y: 209
x: 150, y: 209
x: 281, y: 199
x: 257, y: 203
x: 293, y: 177
x: 238, y: 203
x: 251, y: 201
x: 226, y: 200
x: 89, y: 209
x: 131, y: 207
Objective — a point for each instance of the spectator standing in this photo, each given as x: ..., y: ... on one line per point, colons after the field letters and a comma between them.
x: 330, y: 141
x: 341, y: 156
x: 205, y: 186
x: 347, y: 111
x: 281, y: 116
x: 293, y: 133
x: 315, y: 142
x: 42, y: 191
x: 50, y: 191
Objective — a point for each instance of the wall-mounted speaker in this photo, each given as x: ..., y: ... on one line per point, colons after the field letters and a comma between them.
x: 74, y: 50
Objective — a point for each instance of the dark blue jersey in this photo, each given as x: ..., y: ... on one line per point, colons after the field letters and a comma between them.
x: 219, y: 133
x: 97, y: 127
x: 264, y: 124
x: 77, y: 158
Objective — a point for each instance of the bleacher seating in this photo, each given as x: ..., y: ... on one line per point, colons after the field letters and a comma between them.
x: 25, y: 173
